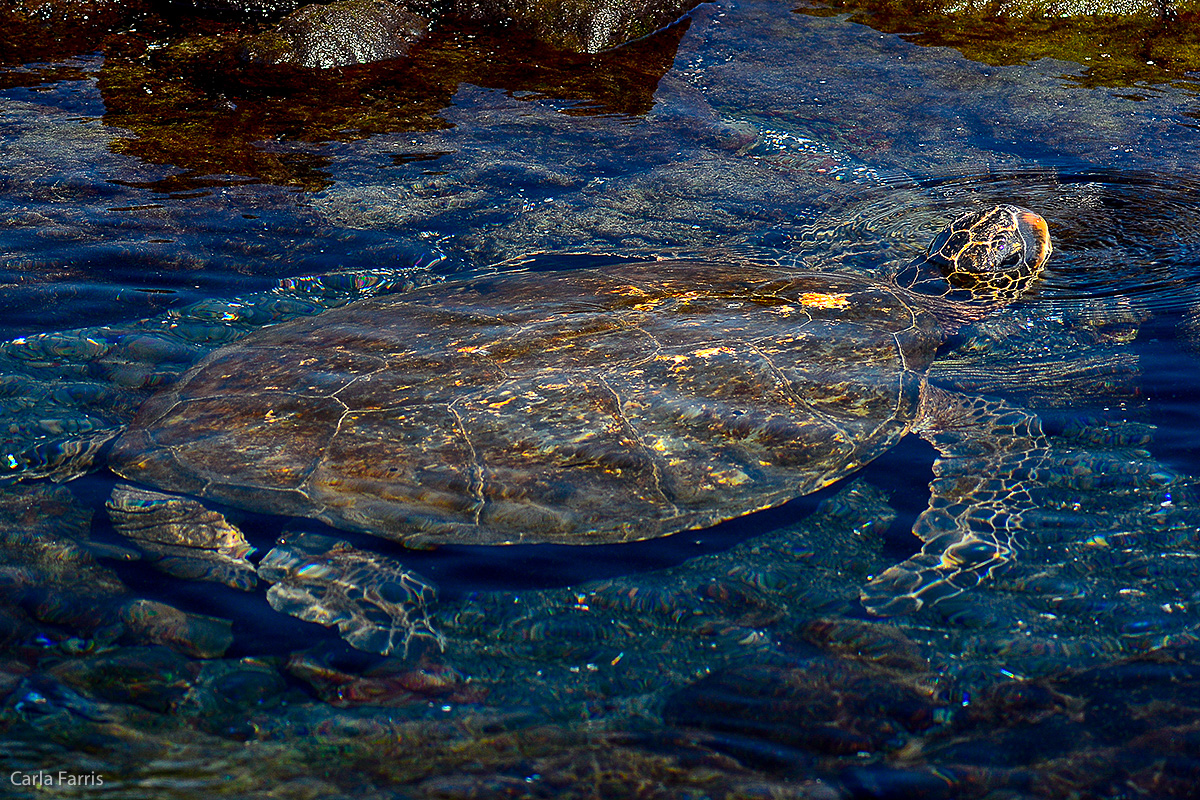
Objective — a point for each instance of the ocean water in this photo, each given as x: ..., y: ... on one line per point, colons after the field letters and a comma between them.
x: 156, y: 209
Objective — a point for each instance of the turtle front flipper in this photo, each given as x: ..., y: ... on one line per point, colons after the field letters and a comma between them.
x: 990, y: 457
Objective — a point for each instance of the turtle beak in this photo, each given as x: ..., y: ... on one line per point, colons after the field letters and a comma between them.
x: 1036, y: 234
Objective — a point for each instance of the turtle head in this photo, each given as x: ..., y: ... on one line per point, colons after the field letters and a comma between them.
x: 988, y: 257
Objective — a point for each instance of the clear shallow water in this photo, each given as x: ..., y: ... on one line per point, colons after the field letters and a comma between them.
x: 770, y: 135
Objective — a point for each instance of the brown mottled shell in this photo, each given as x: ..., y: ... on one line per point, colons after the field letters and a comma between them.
x: 587, y: 406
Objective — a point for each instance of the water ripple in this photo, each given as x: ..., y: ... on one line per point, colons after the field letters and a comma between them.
x: 1117, y: 233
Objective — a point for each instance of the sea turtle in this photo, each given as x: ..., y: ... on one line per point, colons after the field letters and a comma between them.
x: 619, y: 403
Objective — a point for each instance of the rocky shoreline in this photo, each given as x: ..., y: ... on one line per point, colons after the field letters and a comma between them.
x: 325, y: 35
x: 350, y: 32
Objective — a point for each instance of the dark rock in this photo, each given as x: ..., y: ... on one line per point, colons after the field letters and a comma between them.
x: 43, y: 695
x: 81, y: 13
x: 824, y: 706
x: 50, y: 584
x: 33, y: 30
x: 338, y: 35
x: 238, y: 9
x: 891, y: 783
x: 584, y: 26
x: 151, y: 677
x: 190, y: 634
x: 229, y: 694
x: 208, y: 115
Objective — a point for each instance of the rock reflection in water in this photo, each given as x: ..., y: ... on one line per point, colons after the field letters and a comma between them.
x: 192, y: 104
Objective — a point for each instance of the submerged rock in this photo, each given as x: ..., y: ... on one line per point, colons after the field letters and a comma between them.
x: 51, y: 587
x: 825, y: 706
x: 154, y: 678
x: 338, y: 35
x: 190, y: 634
x: 389, y: 683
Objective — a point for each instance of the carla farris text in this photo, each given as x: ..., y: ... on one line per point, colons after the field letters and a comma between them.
x: 60, y: 778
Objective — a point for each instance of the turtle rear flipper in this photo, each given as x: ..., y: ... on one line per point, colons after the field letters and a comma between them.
x: 376, y: 604
x: 990, y: 458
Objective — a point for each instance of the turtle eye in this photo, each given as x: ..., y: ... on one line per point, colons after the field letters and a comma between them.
x: 1010, y: 261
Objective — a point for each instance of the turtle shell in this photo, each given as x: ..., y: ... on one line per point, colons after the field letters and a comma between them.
x: 582, y: 406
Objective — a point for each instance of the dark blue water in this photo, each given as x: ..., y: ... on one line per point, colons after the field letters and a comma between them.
x: 703, y: 662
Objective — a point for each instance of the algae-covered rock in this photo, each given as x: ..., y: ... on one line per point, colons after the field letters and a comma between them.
x: 89, y: 13
x: 43, y: 30
x: 338, y: 35
x: 239, y: 9
x: 1120, y: 43
x: 1030, y: 9
x: 585, y: 26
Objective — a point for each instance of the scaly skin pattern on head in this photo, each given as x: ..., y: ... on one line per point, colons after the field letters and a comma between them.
x: 982, y: 260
